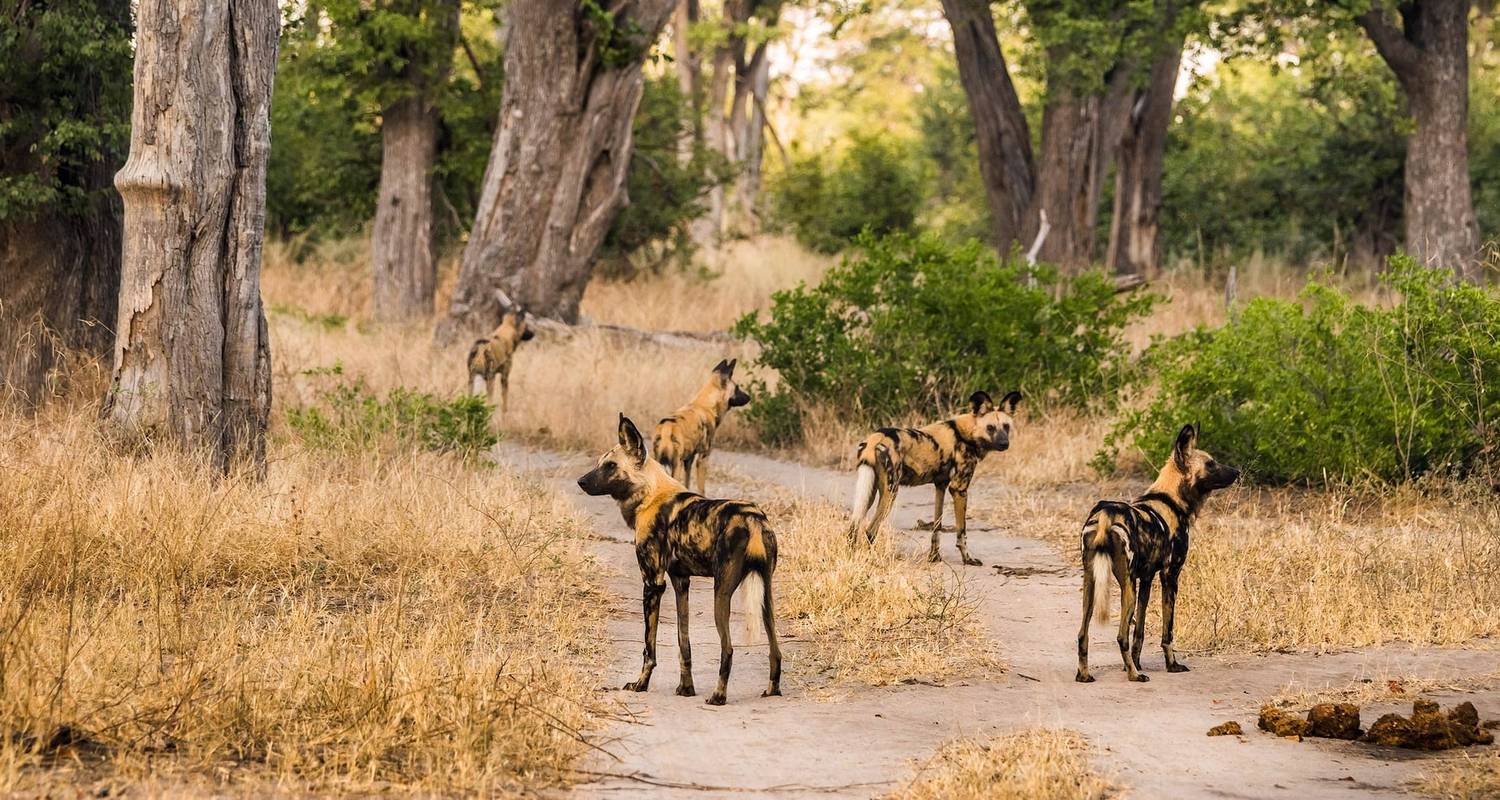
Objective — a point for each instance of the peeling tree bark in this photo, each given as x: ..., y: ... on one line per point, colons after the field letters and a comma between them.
x: 192, y: 360
x: 1429, y: 53
x: 556, y: 177
x: 1135, y: 225
x: 403, y: 252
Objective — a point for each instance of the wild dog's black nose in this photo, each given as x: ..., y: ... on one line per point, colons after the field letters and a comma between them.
x: 583, y: 483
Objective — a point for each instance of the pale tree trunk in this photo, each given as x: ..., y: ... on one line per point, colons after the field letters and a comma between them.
x: 747, y: 128
x: 706, y: 230
x: 1067, y: 178
x: 192, y: 360
x: 556, y: 177
x: 1430, y: 57
x: 403, y: 253
x: 689, y: 74
x: 1135, y: 225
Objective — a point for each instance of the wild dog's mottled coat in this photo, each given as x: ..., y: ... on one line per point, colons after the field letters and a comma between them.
x: 680, y: 535
x: 492, y: 356
x: 943, y: 454
x: 1136, y: 542
x: 684, y: 440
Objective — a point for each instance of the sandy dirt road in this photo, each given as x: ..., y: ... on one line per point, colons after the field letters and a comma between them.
x: 1151, y: 736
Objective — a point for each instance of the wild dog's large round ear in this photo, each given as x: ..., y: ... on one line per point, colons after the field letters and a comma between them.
x: 1187, y: 439
x: 1009, y: 402
x: 981, y: 404
x: 631, y: 439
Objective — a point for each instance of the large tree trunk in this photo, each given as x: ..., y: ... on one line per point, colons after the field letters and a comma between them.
x: 747, y: 127
x: 1429, y: 55
x: 192, y: 361
x: 1135, y: 224
x: 718, y: 136
x: 689, y: 74
x: 556, y: 177
x: 1068, y: 177
x: 403, y: 253
x: 61, y: 275
x: 1002, y: 134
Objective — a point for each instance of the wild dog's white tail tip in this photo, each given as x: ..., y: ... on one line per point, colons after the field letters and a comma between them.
x: 864, y: 487
x: 477, y: 386
x: 1102, y: 569
x: 752, y: 593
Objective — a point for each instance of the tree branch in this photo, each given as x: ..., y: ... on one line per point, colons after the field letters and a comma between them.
x: 1403, y: 57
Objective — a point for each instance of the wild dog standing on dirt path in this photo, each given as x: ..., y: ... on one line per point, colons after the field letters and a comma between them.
x: 1135, y: 541
x: 679, y: 535
x: 943, y: 454
x: 493, y: 355
x: 685, y: 439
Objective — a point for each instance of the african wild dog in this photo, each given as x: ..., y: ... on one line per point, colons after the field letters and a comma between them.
x: 492, y: 356
x: 685, y: 439
x: 679, y: 535
x: 943, y: 454
x: 1136, y: 541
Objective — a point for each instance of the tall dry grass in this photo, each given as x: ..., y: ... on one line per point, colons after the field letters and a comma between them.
x: 400, y: 621
x: 1465, y: 777
x: 1032, y: 764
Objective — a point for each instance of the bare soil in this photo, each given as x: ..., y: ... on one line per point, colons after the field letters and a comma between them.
x: 1150, y: 737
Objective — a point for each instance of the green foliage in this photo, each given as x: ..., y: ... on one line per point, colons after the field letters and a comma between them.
x: 914, y: 325
x: 348, y: 416
x: 665, y: 193
x: 872, y: 187
x: 1328, y: 389
x: 64, y: 102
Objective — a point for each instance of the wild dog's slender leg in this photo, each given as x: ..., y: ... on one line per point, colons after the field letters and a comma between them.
x: 937, y: 514
x: 724, y: 585
x: 1083, y: 675
x: 1138, y: 637
x: 702, y: 466
x: 651, y: 603
x: 684, y: 646
x: 1127, y: 614
x: 505, y: 391
x: 768, y: 618
x: 1168, y: 612
x: 489, y: 387
x: 961, y: 523
x: 685, y: 463
x: 882, y: 508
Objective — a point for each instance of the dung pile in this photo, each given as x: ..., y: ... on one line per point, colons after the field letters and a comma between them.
x: 1428, y: 728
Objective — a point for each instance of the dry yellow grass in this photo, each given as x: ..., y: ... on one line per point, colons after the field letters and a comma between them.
x: 1379, y: 688
x: 1033, y: 764
x: 350, y: 625
x: 1467, y: 777
x: 868, y: 615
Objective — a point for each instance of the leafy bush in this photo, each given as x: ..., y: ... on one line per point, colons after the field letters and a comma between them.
x: 914, y: 325
x: 1328, y: 389
x: 348, y: 416
x: 827, y: 203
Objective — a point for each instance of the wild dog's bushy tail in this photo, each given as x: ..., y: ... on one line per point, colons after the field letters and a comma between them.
x: 752, y: 599
x: 760, y: 563
x: 1102, y: 569
x: 864, y: 491
x: 663, y: 448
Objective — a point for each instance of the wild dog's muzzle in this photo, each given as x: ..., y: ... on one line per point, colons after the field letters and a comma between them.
x: 739, y: 398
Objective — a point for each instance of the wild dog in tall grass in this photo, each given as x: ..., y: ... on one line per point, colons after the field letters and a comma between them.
x: 1136, y: 542
x: 684, y: 440
x: 680, y: 535
x: 943, y: 454
x: 493, y: 356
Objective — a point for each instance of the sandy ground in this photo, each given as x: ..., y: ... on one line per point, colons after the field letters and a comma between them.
x: 1151, y: 736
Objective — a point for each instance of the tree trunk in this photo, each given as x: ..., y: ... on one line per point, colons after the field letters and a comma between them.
x: 192, y: 361
x: 689, y: 74
x: 61, y: 275
x: 748, y: 123
x: 556, y: 177
x: 1001, y: 131
x: 1135, y: 224
x: 1430, y: 57
x: 1067, y: 177
x: 402, y: 251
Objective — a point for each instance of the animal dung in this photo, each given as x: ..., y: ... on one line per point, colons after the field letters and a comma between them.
x: 1230, y: 728
x: 1428, y: 728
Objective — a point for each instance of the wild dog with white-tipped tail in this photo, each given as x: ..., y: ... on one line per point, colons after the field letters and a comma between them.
x: 1137, y: 541
x: 944, y: 454
x: 681, y: 535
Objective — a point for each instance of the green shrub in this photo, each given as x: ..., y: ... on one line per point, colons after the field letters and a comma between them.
x: 348, y: 416
x: 1327, y: 389
x: 874, y: 186
x: 914, y: 325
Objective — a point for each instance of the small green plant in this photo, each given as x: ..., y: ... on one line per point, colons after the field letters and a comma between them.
x: 914, y: 325
x: 1327, y: 389
x: 348, y: 416
x: 329, y: 321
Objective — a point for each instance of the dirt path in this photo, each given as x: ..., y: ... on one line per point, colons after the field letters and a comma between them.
x: 1151, y: 735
